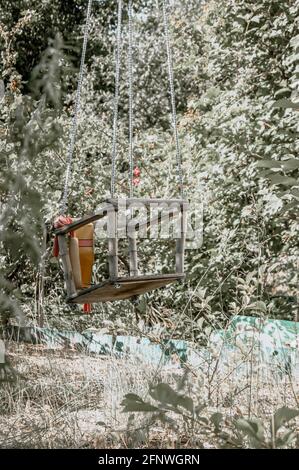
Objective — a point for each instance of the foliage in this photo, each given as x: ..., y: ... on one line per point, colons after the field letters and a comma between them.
x: 236, y: 78
x: 30, y: 129
x: 178, y: 411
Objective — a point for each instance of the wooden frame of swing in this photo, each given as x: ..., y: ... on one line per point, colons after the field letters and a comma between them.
x: 120, y: 288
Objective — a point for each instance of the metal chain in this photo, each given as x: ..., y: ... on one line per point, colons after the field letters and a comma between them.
x: 172, y: 96
x: 74, y: 126
x: 130, y: 70
x: 116, y: 96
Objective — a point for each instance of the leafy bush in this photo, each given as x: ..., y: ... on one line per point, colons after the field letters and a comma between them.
x: 179, y: 412
x: 236, y: 75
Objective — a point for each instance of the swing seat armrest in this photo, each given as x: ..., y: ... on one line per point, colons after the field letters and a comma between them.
x: 84, y: 220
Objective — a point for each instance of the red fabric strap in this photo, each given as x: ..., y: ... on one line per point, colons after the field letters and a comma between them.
x: 58, y: 223
x: 87, y: 308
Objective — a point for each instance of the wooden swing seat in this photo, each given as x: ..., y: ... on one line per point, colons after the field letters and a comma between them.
x: 123, y: 288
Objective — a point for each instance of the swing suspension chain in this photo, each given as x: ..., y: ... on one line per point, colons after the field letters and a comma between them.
x: 172, y: 96
x: 130, y: 70
x: 130, y: 75
x: 74, y: 126
x: 116, y: 96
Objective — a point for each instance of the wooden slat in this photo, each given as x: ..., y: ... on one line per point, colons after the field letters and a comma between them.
x: 67, y: 267
x: 149, y: 277
x: 112, y: 245
x: 104, y: 211
x: 146, y: 201
x: 84, y: 220
x: 180, y: 244
x: 133, y: 261
x: 112, y: 257
x: 179, y: 257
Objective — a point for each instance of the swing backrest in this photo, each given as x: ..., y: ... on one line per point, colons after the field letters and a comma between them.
x: 81, y: 250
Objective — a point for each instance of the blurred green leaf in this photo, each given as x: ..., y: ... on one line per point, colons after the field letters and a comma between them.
x: 133, y: 403
x: 283, y: 416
